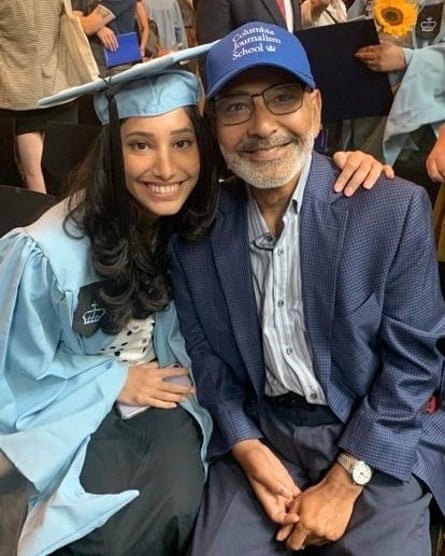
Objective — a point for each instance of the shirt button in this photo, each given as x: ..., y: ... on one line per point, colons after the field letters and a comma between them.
x: 289, y: 351
x: 280, y: 251
x: 313, y: 396
x: 280, y: 303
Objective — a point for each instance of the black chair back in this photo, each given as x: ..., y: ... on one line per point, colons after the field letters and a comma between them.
x: 20, y: 207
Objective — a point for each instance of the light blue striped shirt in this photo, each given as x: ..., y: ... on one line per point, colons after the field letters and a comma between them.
x: 277, y: 284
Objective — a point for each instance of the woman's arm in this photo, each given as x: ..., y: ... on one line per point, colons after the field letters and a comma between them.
x: 96, y: 20
x: 435, y: 163
x: 142, y: 23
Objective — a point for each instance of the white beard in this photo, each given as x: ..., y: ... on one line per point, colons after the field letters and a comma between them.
x: 270, y: 174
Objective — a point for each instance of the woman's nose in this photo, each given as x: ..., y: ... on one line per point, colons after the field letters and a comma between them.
x: 164, y: 166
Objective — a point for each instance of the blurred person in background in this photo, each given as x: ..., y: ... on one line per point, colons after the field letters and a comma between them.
x: 435, y: 166
x: 31, y: 69
x: 102, y: 20
x: 412, y: 52
x: 168, y: 17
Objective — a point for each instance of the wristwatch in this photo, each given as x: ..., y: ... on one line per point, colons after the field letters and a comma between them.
x: 360, y: 471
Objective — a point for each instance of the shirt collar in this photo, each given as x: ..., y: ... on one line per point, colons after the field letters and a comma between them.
x: 258, y: 232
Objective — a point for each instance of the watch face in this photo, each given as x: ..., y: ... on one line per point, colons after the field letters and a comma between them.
x: 361, y: 473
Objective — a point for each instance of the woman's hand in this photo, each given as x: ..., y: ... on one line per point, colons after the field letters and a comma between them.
x: 382, y: 57
x: 108, y: 38
x: 358, y: 169
x: 147, y: 384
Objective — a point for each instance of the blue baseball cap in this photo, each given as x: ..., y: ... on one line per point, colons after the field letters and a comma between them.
x: 151, y: 96
x: 251, y: 45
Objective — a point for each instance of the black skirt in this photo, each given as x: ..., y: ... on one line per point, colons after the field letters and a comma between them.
x: 158, y: 453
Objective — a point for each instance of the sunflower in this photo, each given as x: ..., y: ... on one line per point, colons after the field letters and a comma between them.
x: 396, y: 17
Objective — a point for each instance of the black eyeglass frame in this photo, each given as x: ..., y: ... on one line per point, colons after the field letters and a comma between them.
x: 214, y: 102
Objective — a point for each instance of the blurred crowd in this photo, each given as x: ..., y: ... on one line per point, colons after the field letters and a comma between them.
x: 411, y: 51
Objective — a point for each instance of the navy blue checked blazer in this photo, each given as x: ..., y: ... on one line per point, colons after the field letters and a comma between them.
x: 373, y: 312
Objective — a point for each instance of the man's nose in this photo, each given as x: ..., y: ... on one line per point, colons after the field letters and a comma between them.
x: 262, y: 122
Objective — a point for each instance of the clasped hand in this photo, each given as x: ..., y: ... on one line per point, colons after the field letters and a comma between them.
x: 147, y: 384
x: 324, y: 511
x: 315, y: 516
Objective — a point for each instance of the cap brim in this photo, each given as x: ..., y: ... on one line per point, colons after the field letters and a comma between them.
x: 143, y: 69
x: 229, y: 76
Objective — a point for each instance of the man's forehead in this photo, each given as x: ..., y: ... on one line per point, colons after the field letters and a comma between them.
x: 258, y: 77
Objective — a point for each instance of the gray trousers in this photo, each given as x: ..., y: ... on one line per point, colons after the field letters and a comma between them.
x: 390, y: 517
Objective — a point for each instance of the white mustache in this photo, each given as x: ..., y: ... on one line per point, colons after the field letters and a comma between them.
x: 257, y: 143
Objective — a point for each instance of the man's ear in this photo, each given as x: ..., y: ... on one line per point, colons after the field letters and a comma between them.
x: 316, y: 110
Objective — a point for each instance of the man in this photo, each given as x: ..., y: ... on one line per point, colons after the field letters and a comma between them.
x: 311, y: 320
x: 216, y: 18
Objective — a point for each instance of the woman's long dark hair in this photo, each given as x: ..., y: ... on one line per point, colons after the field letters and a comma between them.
x: 128, y: 250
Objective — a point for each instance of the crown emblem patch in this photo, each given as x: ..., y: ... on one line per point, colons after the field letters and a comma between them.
x: 88, y: 313
x: 93, y: 315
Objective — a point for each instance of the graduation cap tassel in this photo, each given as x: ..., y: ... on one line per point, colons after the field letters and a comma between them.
x: 119, y: 191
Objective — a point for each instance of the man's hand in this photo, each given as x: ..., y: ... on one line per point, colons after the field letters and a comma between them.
x: 324, y: 510
x: 435, y: 163
x: 269, y: 478
x: 147, y: 384
x: 358, y: 169
x: 382, y: 57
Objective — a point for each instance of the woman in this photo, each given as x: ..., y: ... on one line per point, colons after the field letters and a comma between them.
x: 97, y: 397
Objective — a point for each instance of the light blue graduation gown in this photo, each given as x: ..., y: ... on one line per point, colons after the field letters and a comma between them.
x: 55, y: 389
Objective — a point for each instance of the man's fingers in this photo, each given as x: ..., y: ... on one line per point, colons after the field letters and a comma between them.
x: 297, y: 539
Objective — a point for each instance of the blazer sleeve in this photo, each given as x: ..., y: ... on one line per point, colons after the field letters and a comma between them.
x: 218, y: 388
x: 386, y: 426
x: 51, y: 398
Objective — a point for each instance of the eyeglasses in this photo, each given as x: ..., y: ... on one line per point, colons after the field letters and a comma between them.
x: 278, y: 99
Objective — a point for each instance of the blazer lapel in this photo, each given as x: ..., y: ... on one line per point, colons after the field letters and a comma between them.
x: 235, y: 274
x: 323, y: 225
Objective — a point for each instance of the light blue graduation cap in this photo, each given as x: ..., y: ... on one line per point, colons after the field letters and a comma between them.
x: 146, y: 89
x: 120, y: 80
